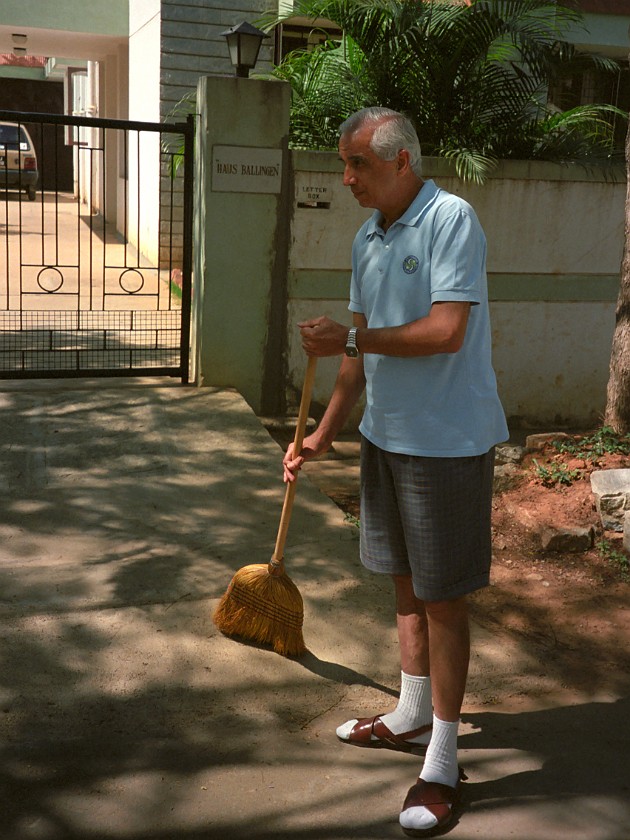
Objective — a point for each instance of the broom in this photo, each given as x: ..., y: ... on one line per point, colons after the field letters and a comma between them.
x: 262, y: 604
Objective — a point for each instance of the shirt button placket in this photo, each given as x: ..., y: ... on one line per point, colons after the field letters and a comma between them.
x: 384, y: 261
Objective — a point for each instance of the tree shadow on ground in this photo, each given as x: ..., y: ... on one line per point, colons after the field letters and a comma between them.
x: 71, y: 779
x: 125, y: 716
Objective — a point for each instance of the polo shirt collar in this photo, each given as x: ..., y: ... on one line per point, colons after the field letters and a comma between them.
x: 425, y: 197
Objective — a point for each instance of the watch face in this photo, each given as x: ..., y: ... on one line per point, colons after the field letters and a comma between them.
x: 351, y: 351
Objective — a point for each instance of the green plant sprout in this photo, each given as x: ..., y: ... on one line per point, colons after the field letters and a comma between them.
x: 604, y: 441
x: 556, y: 474
x: 616, y: 558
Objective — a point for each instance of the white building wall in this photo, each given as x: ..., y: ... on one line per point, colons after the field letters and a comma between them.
x: 144, y: 60
x: 552, y: 360
x: 144, y: 104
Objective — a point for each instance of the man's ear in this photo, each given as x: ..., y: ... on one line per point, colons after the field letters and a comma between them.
x: 402, y: 162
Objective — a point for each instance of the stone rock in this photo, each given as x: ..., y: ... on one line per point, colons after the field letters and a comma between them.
x: 505, y: 477
x: 570, y: 540
x: 533, y: 443
x: 509, y: 454
x: 611, y: 489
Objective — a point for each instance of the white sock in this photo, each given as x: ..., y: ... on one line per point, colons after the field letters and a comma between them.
x: 414, y: 710
x: 440, y: 765
x: 414, y: 707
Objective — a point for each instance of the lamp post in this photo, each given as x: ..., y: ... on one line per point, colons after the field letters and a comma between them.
x: 244, y: 42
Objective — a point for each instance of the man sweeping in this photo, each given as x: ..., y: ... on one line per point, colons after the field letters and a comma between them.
x: 420, y: 347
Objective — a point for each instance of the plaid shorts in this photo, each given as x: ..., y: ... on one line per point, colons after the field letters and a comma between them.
x: 428, y: 518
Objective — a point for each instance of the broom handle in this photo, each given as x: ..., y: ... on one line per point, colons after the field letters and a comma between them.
x: 285, y: 518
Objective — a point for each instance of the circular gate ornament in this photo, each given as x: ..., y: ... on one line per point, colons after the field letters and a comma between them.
x: 131, y: 284
x: 50, y: 279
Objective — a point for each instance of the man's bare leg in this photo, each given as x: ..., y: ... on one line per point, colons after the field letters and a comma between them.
x: 449, y: 655
x: 413, y: 630
x: 415, y: 708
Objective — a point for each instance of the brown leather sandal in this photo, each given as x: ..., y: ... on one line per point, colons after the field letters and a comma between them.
x: 361, y: 736
x: 436, y: 798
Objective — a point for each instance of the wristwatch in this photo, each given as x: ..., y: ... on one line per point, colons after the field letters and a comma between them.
x: 351, y: 344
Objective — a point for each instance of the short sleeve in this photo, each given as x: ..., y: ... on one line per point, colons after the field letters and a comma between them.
x: 458, y: 258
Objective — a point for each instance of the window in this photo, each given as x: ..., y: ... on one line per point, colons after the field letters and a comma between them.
x: 596, y: 86
x: 299, y: 34
x: 10, y: 139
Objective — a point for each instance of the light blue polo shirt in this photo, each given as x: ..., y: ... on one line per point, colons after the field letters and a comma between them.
x: 445, y: 405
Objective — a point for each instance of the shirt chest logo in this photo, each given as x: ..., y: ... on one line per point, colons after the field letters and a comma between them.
x: 410, y: 264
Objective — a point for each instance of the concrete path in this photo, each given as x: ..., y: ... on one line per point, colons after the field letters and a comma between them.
x: 125, y: 715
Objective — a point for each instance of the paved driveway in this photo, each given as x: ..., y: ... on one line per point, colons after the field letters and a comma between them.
x: 124, y: 715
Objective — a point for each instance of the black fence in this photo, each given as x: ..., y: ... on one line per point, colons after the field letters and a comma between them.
x: 96, y: 269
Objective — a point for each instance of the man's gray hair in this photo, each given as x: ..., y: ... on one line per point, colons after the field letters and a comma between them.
x: 394, y: 131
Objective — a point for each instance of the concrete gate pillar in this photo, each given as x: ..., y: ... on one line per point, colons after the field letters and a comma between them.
x: 241, y: 238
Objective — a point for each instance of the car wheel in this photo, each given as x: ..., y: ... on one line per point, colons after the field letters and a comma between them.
x: 31, y: 192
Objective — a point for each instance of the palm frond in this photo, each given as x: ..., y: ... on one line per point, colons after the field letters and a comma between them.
x: 474, y: 79
x: 173, y: 144
x: 326, y: 88
x: 471, y: 165
x: 581, y: 134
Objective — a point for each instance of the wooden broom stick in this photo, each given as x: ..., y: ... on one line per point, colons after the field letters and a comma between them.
x: 276, y: 564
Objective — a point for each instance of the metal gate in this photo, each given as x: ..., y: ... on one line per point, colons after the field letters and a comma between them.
x: 96, y: 254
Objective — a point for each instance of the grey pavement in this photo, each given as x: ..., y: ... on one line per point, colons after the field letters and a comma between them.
x: 125, y: 715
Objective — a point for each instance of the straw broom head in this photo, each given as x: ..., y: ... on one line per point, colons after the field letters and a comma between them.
x: 264, y: 606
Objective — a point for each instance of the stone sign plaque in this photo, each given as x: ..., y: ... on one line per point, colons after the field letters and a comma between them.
x: 246, y: 169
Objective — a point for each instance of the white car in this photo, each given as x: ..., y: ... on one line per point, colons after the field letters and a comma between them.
x: 18, y: 160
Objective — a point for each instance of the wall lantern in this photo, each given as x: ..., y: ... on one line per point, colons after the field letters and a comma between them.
x: 243, y: 42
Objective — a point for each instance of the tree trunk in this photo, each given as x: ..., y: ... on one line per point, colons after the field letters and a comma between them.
x: 617, y: 413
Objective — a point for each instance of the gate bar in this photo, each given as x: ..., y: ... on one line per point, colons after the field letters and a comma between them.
x: 189, y: 138
x: 93, y: 122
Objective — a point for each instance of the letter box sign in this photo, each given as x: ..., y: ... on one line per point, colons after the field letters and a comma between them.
x: 246, y: 170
